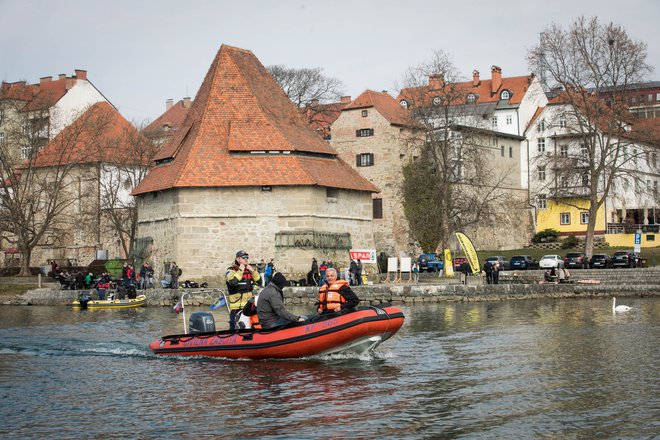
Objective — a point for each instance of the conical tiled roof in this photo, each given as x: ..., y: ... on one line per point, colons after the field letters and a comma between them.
x: 242, y: 130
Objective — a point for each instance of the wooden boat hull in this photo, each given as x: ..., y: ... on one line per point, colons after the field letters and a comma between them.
x: 139, y: 301
x: 356, y: 332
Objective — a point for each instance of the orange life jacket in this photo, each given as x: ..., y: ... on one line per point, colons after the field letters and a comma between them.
x: 254, y: 321
x: 329, y: 297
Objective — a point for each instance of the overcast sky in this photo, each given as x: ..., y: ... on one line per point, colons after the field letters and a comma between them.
x: 139, y: 53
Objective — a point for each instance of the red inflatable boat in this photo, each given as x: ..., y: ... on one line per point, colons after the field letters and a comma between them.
x: 355, y: 332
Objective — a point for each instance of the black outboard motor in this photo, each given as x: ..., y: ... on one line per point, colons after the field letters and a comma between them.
x: 201, y: 322
x: 84, y: 298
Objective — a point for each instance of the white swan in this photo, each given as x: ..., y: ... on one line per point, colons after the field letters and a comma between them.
x: 619, y: 309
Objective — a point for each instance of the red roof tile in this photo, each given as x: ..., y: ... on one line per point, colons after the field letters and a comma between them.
x: 39, y: 96
x: 172, y: 118
x: 385, y: 105
x: 516, y: 85
x: 239, y: 109
x: 100, y: 134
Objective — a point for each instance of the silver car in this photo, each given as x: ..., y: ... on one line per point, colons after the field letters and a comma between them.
x: 550, y: 261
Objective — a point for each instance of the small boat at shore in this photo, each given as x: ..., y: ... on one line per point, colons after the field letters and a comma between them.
x: 355, y: 332
x: 138, y: 301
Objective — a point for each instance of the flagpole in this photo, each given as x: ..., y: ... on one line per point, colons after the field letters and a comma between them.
x: 183, y: 311
x: 222, y: 292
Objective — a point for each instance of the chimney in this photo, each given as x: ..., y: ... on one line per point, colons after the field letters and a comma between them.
x: 61, y: 76
x: 70, y: 82
x: 187, y: 102
x: 81, y: 74
x: 168, y: 104
x: 496, y: 79
x: 475, y: 78
x: 45, y: 79
x: 345, y: 99
x: 436, y: 81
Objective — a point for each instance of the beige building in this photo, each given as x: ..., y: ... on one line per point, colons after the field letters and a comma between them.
x: 246, y: 172
x: 83, y: 178
x: 371, y: 134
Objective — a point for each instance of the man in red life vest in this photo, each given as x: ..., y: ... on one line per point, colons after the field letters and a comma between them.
x: 241, y: 278
x: 336, y: 295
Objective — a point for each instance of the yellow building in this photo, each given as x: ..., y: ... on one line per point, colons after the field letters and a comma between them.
x: 569, y: 216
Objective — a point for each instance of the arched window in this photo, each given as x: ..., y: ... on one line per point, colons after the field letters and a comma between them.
x: 404, y: 103
x: 505, y: 94
x: 471, y: 97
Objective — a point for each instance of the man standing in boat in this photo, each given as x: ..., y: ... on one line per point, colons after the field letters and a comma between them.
x: 270, y: 306
x: 241, y: 277
x: 336, y: 295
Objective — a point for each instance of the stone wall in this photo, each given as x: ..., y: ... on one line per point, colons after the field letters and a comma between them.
x: 645, y: 284
x: 202, y: 228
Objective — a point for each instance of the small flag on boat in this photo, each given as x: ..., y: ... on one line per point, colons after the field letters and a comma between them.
x: 178, y: 307
x: 219, y: 303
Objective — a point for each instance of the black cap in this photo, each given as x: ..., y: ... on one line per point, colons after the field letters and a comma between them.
x: 241, y: 254
x: 279, y: 280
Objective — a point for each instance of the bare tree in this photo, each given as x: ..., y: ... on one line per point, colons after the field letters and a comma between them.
x: 453, y: 183
x: 309, y: 89
x: 35, y: 194
x: 117, y: 208
x: 594, y: 65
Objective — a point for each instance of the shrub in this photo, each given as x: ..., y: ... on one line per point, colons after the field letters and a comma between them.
x: 546, y: 236
x: 570, y: 242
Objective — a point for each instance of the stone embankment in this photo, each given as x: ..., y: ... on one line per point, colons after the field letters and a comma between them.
x: 513, y: 285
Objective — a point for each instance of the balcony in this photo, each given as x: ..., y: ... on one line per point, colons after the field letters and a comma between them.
x: 569, y: 192
x: 630, y: 228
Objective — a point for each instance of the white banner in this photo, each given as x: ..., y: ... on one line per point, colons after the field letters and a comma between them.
x: 406, y: 264
x: 392, y: 264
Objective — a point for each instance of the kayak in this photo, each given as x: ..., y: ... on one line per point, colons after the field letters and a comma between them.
x: 355, y: 332
x: 138, y: 301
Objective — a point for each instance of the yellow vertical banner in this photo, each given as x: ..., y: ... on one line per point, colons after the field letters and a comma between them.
x: 469, y: 251
x: 449, y: 265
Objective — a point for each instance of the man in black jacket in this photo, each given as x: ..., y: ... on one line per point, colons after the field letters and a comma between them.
x: 270, y: 306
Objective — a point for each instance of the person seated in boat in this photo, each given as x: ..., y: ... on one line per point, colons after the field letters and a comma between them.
x: 248, y: 317
x: 270, y: 307
x: 103, y: 285
x: 336, y: 295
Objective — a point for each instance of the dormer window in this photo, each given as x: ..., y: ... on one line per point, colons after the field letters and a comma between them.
x: 404, y: 103
x: 505, y: 95
x: 471, y: 97
x: 437, y: 100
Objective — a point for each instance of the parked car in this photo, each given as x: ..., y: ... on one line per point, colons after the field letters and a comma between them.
x: 504, y: 261
x: 576, y: 260
x: 430, y: 263
x: 523, y: 262
x: 600, y: 261
x: 458, y: 261
x: 550, y: 261
x: 624, y: 259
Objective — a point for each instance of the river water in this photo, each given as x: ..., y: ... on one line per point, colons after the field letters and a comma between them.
x: 548, y: 369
